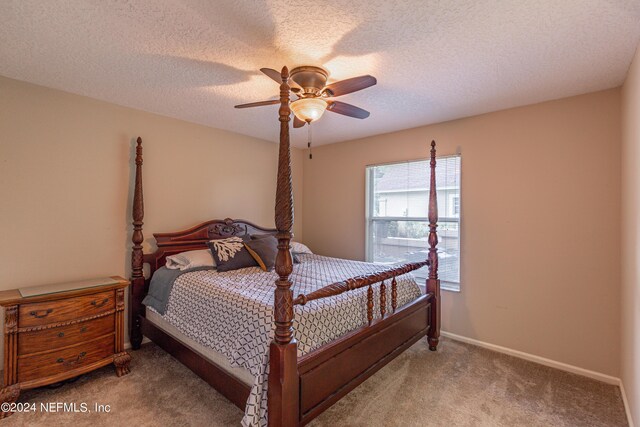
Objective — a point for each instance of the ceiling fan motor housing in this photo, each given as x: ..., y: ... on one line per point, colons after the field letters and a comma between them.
x: 311, y: 79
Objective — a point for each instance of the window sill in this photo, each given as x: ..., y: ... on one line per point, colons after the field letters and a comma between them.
x: 444, y: 286
x: 451, y: 287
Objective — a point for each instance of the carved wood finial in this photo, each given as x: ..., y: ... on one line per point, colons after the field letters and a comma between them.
x: 139, y: 151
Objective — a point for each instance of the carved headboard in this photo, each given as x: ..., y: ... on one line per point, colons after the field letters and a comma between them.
x: 197, y: 237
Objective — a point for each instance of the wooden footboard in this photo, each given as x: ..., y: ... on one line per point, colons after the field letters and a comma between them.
x: 333, y: 370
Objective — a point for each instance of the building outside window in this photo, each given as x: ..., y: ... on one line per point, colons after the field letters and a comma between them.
x: 397, y: 210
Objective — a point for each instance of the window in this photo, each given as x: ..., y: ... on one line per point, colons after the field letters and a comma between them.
x: 397, y: 210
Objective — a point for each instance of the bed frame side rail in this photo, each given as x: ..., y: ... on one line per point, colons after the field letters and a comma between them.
x: 367, y: 280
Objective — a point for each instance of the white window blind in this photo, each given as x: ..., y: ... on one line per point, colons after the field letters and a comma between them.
x: 397, y: 215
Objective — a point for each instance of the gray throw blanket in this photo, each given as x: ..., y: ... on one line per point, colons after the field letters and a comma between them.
x: 161, y: 285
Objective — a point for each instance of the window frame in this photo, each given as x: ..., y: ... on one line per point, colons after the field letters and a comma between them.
x: 369, y: 200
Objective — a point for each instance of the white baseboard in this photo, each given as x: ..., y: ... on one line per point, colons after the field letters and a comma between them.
x: 627, y: 408
x: 127, y: 345
x: 537, y: 359
x: 551, y: 363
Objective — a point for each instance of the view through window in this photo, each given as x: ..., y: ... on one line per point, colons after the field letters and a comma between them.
x: 397, y: 210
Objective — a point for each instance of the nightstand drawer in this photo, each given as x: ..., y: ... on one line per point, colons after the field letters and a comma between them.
x: 56, y: 362
x: 63, y: 336
x: 43, y: 313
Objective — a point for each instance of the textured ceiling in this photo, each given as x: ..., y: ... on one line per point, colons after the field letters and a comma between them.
x: 434, y: 60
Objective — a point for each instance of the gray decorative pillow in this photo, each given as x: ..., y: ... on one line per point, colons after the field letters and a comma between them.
x: 265, y: 236
x: 231, y: 254
x: 264, y: 251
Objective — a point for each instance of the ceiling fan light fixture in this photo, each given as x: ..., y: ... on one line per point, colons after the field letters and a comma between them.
x: 309, y: 109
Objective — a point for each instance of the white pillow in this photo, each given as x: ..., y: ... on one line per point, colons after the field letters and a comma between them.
x: 299, y: 248
x: 190, y: 259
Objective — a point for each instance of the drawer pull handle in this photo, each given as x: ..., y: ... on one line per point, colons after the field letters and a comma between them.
x: 83, y: 329
x: 73, y: 361
x: 41, y: 313
x: 99, y: 304
x: 61, y: 334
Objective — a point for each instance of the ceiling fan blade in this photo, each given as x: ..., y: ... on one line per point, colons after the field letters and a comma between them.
x: 353, y: 84
x: 259, y: 104
x: 347, y: 109
x: 276, y: 77
x: 297, y: 123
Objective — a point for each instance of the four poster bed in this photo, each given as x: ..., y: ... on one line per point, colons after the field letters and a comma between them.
x: 351, y: 318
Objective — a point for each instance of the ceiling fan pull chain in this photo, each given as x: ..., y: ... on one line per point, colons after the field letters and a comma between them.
x: 309, y: 142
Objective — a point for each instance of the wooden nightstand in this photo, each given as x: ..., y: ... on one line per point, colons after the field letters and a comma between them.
x: 61, y: 331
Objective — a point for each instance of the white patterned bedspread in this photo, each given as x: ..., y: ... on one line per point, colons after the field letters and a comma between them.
x: 232, y: 313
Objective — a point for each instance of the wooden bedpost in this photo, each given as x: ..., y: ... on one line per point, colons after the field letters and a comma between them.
x: 136, y: 292
x: 283, y: 393
x: 433, y: 283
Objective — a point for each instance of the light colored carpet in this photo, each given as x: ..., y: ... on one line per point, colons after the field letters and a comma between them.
x: 460, y: 385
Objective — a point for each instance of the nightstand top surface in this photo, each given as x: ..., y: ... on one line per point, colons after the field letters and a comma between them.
x: 61, y: 290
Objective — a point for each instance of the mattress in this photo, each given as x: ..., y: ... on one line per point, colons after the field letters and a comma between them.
x: 208, y: 353
x: 230, y: 314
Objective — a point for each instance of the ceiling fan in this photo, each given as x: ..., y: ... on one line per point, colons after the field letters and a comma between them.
x: 309, y: 84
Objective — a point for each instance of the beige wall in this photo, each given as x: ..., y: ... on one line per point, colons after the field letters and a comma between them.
x: 540, y: 218
x: 631, y: 238
x: 66, y: 182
